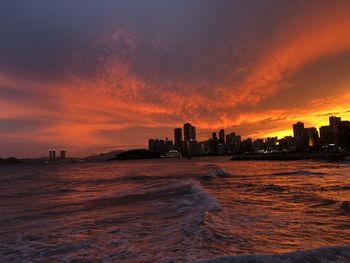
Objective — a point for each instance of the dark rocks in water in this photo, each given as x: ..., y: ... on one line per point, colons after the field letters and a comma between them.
x: 11, y: 160
x: 137, y: 154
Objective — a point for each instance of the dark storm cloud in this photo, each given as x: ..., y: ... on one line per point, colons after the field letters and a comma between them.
x: 27, y: 125
x: 176, y: 39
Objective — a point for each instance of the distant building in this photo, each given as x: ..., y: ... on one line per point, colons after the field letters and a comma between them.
x: 189, y: 132
x: 168, y: 145
x: 233, y: 143
x: 326, y: 136
x: 62, y: 154
x: 192, y: 147
x: 222, y: 136
x: 152, y: 145
x: 271, y: 144
x: 156, y: 145
x: 336, y: 134
x: 287, y: 144
x: 344, y: 134
x: 334, y: 121
x: 204, y: 147
x: 221, y: 148
x: 300, y: 136
x: 214, y: 143
x: 52, y: 154
x: 258, y: 145
x: 178, y: 139
x: 313, y: 139
x: 247, y: 146
x: 190, y: 142
x: 160, y: 145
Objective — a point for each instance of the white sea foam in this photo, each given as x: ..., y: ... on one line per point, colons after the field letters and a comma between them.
x: 321, y: 255
x: 215, y: 174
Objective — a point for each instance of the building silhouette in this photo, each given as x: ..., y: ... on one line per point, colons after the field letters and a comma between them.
x: 178, y: 139
x: 160, y: 145
x: 333, y: 137
x: 247, y: 146
x: 190, y: 140
x: 214, y: 143
x: 258, y: 145
x: 62, y: 154
x: 233, y: 143
x: 336, y: 135
x: 52, y: 154
x: 313, y: 139
x: 271, y: 144
x: 222, y: 136
x: 189, y: 132
x: 287, y: 144
x: 300, y: 137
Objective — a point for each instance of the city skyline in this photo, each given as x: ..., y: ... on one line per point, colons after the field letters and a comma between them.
x: 333, y: 137
x: 103, y: 76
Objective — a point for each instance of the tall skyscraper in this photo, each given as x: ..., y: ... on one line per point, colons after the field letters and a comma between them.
x: 334, y: 133
x: 193, y: 133
x: 298, y: 129
x: 312, y: 138
x: 334, y: 121
x: 190, y: 143
x: 222, y: 136
x: 233, y: 142
x: 214, y: 143
x: 178, y: 139
x: 189, y: 132
x: 63, y: 154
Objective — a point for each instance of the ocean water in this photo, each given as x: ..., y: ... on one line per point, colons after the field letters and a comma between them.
x: 176, y: 210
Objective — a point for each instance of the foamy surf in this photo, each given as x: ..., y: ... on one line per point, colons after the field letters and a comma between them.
x: 215, y: 173
x: 321, y: 255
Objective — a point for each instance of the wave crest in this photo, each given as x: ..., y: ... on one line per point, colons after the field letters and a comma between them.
x: 320, y: 255
x: 176, y: 190
x: 215, y: 174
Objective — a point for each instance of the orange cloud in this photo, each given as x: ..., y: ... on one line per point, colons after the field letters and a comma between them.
x: 308, y: 38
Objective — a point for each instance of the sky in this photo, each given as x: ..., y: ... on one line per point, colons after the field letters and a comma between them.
x: 94, y: 76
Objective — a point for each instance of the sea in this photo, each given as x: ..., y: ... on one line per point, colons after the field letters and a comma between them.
x: 207, y: 209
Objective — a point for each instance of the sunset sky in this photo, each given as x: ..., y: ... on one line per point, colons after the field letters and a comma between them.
x: 93, y: 76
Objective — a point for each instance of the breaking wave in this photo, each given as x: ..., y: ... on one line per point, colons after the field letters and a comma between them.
x: 321, y: 255
x: 215, y: 174
x: 177, y: 190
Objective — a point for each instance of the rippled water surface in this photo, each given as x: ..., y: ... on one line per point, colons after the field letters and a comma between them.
x: 173, y: 210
